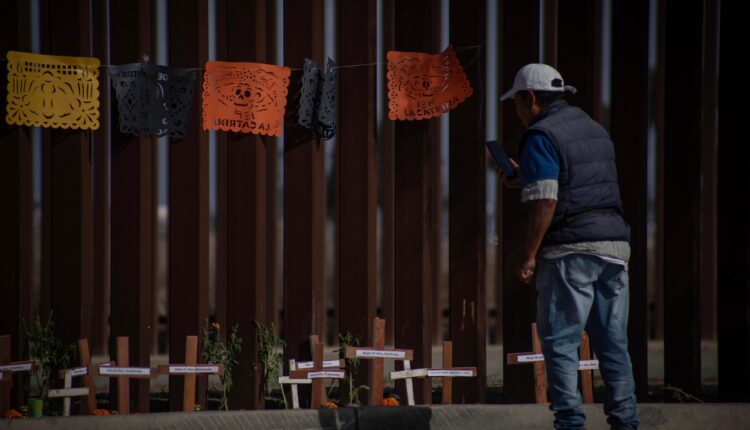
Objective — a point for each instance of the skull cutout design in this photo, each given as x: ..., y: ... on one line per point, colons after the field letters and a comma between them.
x: 249, y: 93
x: 242, y: 99
x: 245, y: 97
x: 422, y: 86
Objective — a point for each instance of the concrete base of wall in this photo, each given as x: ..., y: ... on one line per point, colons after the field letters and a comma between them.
x: 474, y: 417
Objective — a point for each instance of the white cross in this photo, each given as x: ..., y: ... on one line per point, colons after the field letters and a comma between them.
x: 68, y: 391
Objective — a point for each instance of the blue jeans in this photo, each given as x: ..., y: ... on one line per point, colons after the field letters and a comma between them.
x: 577, y: 292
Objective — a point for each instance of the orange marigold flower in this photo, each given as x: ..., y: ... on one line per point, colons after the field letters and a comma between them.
x: 329, y: 404
x: 102, y: 412
x: 12, y: 414
x: 390, y: 401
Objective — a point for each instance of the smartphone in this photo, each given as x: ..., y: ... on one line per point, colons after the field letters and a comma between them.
x: 501, y: 158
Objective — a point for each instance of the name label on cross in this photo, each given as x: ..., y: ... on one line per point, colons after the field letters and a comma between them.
x: 449, y: 373
x: 18, y: 367
x: 125, y: 371
x: 325, y: 375
x: 588, y: 364
x: 582, y: 365
x: 193, y: 369
x: 310, y: 364
x: 531, y: 358
x: 380, y: 353
x: 79, y: 371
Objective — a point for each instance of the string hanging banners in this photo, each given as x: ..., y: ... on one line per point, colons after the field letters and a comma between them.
x: 423, y: 86
x: 245, y: 97
x: 153, y: 99
x: 317, y: 107
x: 53, y: 91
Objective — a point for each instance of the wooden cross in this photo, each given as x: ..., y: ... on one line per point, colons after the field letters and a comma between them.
x: 447, y: 372
x: 586, y: 366
x: 89, y: 406
x: 318, y: 384
x: 5, y: 376
x: 293, y: 365
x: 378, y: 353
x: 189, y: 370
x: 318, y: 373
x: 124, y: 372
x: 8, y: 368
x: 68, y: 391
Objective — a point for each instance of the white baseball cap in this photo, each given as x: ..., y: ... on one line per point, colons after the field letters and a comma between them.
x: 537, y: 77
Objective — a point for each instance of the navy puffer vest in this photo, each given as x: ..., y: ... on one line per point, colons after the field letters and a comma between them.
x: 589, y: 205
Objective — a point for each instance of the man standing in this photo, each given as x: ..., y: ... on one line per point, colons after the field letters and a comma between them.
x: 577, y: 245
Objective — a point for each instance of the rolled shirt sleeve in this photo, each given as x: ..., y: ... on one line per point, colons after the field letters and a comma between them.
x: 544, y: 189
x: 540, y: 168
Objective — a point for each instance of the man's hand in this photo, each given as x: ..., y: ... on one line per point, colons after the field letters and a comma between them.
x: 525, y: 271
x: 515, y: 181
x: 540, y: 218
